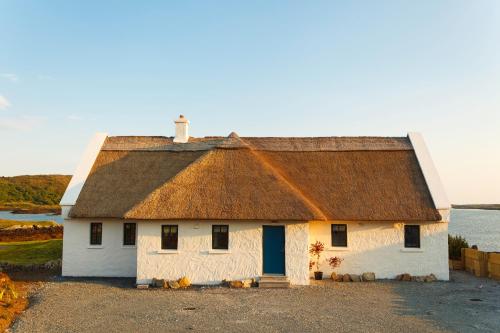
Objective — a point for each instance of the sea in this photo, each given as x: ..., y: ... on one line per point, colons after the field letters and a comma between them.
x: 479, y: 227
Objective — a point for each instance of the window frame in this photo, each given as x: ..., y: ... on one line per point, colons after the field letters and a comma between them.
x: 95, y: 234
x: 332, y: 238
x: 216, y: 239
x: 418, y: 244
x: 125, y: 239
x: 164, y: 240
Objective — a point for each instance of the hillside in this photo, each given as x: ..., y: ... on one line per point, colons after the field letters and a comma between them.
x: 37, y: 193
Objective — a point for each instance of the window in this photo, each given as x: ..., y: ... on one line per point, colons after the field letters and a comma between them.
x: 339, y: 235
x: 220, y: 237
x: 412, y: 236
x: 95, y: 233
x: 169, y: 237
x: 129, y: 233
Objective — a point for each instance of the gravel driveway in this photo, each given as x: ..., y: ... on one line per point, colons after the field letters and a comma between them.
x: 113, y: 306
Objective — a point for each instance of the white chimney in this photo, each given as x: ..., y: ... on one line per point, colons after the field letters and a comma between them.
x: 181, y: 130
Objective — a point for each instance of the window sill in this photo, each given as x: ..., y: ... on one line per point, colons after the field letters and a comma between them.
x: 339, y: 249
x: 96, y: 247
x: 219, y: 252
x: 412, y: 250
x: 129, y: 247
x: 167, y: 251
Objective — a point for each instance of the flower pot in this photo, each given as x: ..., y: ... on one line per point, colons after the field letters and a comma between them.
x: 318, y: 275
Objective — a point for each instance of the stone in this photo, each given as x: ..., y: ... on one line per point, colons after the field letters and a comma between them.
x: 340, y: 277
x: 157, y: 283
x: 368, y: 276
x: 235, y: 284
x: 405, y: 277
x: 165, y: 284
x: 355, y: 278
x: 346, y: 278
x: 430, y: 278
x: 247, y: 283
x: 184, y: 282
x: 142, y: 286
x: 334, y: 276
x: 173, y: 284
x: 420, y: 278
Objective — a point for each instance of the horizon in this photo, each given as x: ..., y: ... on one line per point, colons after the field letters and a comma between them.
x: 260, y: 69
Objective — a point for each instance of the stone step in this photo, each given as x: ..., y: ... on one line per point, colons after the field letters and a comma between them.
x: 274, y: 281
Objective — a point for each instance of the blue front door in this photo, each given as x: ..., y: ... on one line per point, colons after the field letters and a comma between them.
x: 273, y: 246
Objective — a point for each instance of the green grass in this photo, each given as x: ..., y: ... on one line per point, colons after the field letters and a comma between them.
x: 8, y: 223
x: 31, y: 252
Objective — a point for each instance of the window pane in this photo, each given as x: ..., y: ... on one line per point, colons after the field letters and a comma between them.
x: 129, y: 233
x: 220, y: 237
x: 169, y: 237
x: 95, y: 233
x: 412, y: 236
x: 339, y: 235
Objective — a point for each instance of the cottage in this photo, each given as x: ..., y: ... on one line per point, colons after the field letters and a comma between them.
x: 233, y: 207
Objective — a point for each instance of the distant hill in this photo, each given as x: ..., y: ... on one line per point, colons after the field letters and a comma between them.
x: 25, y: 192
x: 478, y: 206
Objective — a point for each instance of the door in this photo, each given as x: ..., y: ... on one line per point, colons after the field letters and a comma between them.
x: 273, y: 247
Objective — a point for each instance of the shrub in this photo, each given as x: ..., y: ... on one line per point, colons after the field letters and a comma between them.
x: 315, y: 250
x: 455, y: 244
x: 334, y: 262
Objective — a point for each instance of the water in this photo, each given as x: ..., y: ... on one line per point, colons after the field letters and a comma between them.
x: 479, y: 227
x: 4, y: 215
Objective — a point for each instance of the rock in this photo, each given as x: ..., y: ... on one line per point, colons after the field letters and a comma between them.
x: 419, y: 278
x: 405, y: 277
x: 157, y: 283
x: 247, y: 283
x: 165, y: 284
x: 142, y: 286
x: 368, y: 276
x: 334, y: 276
x: 355, y: 278
x: 184, y: 282
x: 235, y: 284
x: 173, y: 284
x: 346, y: 278
x: 340, y: 277
x: 254, y: 283
x: 430, y: 278
x: 225, y: 283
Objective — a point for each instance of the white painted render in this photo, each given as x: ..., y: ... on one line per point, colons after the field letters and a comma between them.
x: 429, y: 170
x: 83, y: 169
x: 181, y: 130
x: 379, y: 247
x: 195, y: 258
x: 112, y: 259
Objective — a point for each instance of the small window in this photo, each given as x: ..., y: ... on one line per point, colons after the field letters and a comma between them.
x: 339, y: 235
x: 129, y: 233
x: 169, y: 237
x: 412, y: 236
x: 220, y: 237
x: 95, y: 233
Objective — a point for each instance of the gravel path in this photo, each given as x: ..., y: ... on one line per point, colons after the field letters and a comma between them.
x: 112, y: 306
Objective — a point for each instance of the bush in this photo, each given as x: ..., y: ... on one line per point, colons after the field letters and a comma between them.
x: 455, y: 244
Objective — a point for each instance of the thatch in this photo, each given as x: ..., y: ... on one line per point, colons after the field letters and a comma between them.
x: 235, y: 178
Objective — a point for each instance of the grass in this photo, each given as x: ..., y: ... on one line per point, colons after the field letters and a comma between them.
x: 31, y: 252
x: 9, y: 223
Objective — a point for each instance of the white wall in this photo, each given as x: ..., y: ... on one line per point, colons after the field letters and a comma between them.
x: 379, y: 247
x: 112, y: 259
x: 195, y: 259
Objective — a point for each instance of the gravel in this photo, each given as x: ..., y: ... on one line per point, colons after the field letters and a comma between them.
x: 114, y: 306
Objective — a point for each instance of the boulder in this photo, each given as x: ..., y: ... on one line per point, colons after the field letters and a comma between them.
x: 355, y: 278
x: 184, y: 282
x: 368, y: 276
x: 346, y: 278
x: 340, y: 278
x: 405, y: 277
x: 235, y: 284
x: 157, y: 283
x: 247, y: 283
x: 430, y: 278
x: 334, y: 276
x: 419, y: 278
x: 173, y: 284
x: 165, y: 284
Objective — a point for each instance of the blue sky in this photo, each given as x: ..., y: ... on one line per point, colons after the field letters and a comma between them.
x: 261, y: 68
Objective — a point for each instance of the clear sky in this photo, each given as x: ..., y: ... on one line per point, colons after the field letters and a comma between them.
x: 260, y: 68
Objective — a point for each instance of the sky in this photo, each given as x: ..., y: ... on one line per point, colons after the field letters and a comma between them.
x: 260, y: 68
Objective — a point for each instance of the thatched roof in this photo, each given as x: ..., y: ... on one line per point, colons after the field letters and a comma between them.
x: 334, y: 178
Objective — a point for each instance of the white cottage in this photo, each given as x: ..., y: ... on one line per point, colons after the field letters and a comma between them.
x: 233, y: 207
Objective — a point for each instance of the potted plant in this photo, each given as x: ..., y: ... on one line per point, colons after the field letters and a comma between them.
x: 315, y: 250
